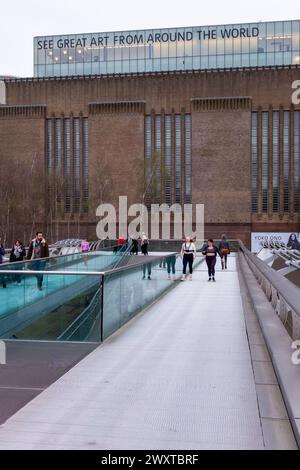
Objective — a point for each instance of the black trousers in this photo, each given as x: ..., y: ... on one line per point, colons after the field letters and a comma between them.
x: 188, y: 259
x: 211, y: 263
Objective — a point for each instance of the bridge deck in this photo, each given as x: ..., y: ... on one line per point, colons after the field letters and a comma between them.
x: 179, y: 376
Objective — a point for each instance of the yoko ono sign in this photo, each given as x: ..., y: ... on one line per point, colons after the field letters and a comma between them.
x: 139, y: 38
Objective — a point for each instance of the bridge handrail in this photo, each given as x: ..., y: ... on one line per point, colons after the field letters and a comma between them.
x: 287, y: 290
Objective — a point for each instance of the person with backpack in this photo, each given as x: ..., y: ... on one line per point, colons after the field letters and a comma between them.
x: 188, y: 253
x: 210, y: 251
x: 224, y: 250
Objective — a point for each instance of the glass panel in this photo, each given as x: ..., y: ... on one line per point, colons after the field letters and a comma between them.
x: 127, y: 292
x: 66, y: 309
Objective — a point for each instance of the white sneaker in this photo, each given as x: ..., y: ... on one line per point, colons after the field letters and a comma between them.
x: 191, y: 277
x: 183, y: 277
x: 169, y: 276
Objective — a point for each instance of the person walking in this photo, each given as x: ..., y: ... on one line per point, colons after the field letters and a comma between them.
x: 210, y: 251
x: 224, y: 250
x: 144, y: 248
x: 188, y: 253
x: 38, y: 249
x: 2, y: 253
x: 171, y: 266
x: 17, y: 254
x: 85, y: 248
x: 134, y: 250
x: 144, y: 244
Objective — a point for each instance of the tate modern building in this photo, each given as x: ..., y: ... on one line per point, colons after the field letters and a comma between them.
x: 204, y: 115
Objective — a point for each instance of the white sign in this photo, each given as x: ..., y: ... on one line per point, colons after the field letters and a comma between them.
x: 292, y: 240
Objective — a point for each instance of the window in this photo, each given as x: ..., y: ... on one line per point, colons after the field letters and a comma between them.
x: 172, y: 148
x: 76, y: 165
x: 148, y: 153
x: 275, y: 152
x: 69, y: 176
x: 254, y: 161
x: 158, y: 154
x: 178, y: 158
x: 49, y: 144
x: 58, y: 157
x: 297, y: 161
x: 188, y: 159
x: 85, y: 164
x: 67, y: 142
x: 286, y: 158
x: 168, y: 161
x: 265, y: 160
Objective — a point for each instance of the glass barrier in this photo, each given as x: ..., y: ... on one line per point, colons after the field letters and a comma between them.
x: 54, y: 307
x: 127, y: 292
x: 48, y: 305
x: 92, y: 261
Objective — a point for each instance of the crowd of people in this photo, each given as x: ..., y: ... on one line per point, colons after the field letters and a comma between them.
x: 188, y: 254
x: 39, y: 250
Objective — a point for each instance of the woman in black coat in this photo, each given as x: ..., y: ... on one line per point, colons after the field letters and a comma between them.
x: 17, y: 254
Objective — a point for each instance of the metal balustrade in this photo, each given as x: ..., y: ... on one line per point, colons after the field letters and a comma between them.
x: 281, y: 293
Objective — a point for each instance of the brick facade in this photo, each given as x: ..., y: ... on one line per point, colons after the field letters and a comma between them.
x: 220, y: 104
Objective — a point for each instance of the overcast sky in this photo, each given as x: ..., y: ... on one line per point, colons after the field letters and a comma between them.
x: 21, y: 20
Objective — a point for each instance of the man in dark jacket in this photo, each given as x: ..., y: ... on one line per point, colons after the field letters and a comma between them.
x: 38, y: 249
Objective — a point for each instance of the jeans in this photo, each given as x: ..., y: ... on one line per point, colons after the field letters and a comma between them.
x: 171, y: 262
x: 148, y: 267
x: 39, y: 266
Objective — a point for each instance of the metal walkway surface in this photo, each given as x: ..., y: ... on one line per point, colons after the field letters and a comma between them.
x: 179, y: 376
